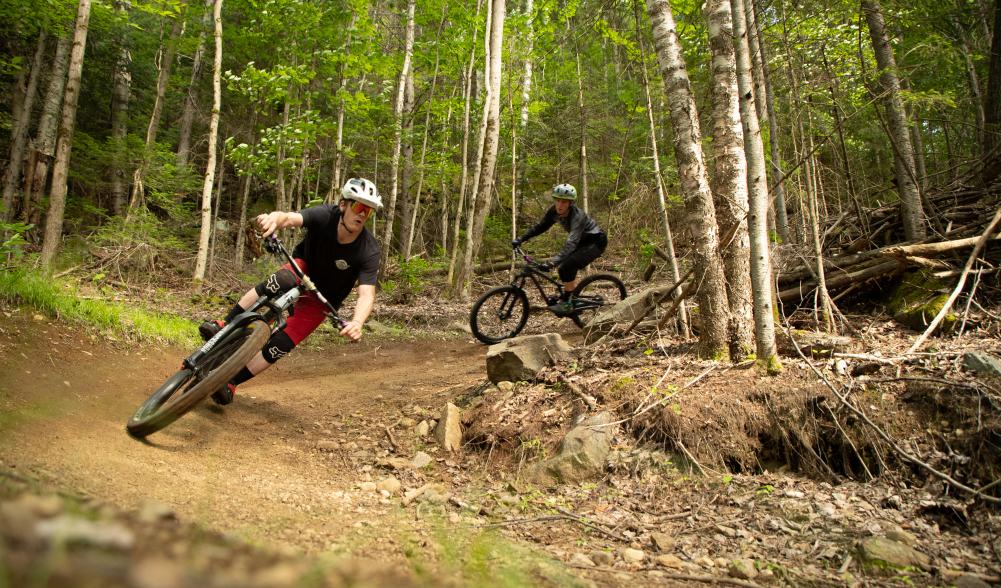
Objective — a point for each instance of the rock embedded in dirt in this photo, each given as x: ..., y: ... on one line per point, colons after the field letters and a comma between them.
x: 581, y: 560
x: 982, y: 363
x: 602, y: 558
x: 420, y: 460
x: 522, y: 358
x: 423, y: 428
x: 742, y: 569
x: 884, y: 552
x: 669, y: 560
x: 449, y: 429
x: 390, y: 485
x: 662, y: 542
x: 70, y: 530
x: 632, y: 555
x: 582, y: 453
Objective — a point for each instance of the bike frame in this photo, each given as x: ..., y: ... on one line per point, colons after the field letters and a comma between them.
x: 531, y: 273
x: 274, y: 314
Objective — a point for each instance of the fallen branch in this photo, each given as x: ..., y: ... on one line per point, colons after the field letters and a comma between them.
x: 981, y: 241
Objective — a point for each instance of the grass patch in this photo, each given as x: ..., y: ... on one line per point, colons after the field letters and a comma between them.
x: 61, y: 300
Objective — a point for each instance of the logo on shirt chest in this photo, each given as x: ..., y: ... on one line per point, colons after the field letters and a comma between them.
x: 342, y: 264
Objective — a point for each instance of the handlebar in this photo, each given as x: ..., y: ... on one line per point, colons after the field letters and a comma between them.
x: 528, y: 258
x: 273, y: 244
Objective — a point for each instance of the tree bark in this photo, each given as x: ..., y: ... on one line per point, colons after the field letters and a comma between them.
x: 45, y: 136
x: 671, y: 256
x: 408, y: 50
x: 491, y: 135
x: 992, y: 109
x: 730, y: 185
x: 203, y: 241
x: 120, y: 97
x: 694, y: 183
x: 778, y: 190
x: 64, y: 144
x: 903, y: 152
x: 406, y: 205
x: 757, y: 184
x: 190, y: 97
x: 19, y: 132
x: 585, y: 200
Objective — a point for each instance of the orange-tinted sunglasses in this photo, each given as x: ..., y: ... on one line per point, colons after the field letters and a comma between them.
x: 360, y: 207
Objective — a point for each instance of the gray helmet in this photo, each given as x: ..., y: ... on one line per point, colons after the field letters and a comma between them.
x: 565, y: 192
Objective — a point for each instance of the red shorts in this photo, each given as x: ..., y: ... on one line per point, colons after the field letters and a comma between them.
x: 307, y: 314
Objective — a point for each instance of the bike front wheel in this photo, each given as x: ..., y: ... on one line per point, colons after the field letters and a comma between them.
x: 499, y: 314
x: 593, y: 294
x: 189, y: 386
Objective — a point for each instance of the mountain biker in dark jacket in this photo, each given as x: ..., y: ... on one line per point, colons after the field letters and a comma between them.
x: 585, y: 240
x: 336, y: 252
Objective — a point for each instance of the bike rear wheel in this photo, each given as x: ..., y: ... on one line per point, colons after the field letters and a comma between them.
x: 186, y: 388
x: 499, y: 314
x: 592, y: 294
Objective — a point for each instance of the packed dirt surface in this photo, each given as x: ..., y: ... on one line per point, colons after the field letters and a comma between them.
x: 328, y: 456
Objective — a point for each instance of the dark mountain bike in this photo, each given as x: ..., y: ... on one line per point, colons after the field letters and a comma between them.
x: 502, y: 312
x: 224, y: 355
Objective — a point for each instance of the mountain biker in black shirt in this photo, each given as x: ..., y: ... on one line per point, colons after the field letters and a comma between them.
x: 585, y: 241
x: 336, y: 252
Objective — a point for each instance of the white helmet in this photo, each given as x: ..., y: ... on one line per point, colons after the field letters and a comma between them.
x: 363, y: 191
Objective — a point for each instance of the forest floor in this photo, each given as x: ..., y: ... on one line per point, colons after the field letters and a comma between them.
x: 322, y: 473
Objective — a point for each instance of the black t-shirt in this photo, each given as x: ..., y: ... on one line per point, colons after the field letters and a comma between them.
x: 333, y: 266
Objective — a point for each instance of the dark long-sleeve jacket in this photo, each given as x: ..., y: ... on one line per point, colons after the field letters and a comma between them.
x: 577, y: 223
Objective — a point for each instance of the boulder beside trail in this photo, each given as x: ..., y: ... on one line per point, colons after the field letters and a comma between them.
x: 582, y: 453
x: 522, y: 358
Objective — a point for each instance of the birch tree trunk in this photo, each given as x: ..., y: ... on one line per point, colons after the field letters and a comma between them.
x: 121, y: 93
x: 583, y: 130
x: 491, y: 134
x: 45, y: 136
x: 203, y: 241
x: 466, y: 108
x: 190, y: 98
x: 779, y: 199
x: 730, y: 185
x: 64, y: 144
x: 406, y: 204
x: 166, y: 60
x: 694, y: 182
x: 408, y: 50
x: 757, y: 184
x: 911, y: 210
x: 19, y: 132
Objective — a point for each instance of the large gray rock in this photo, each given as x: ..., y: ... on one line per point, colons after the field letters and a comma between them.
x: 449, y: 429
x: 522, y: 358
x: 582, y: 453
x: 982, y: 363
x: 625, y: 311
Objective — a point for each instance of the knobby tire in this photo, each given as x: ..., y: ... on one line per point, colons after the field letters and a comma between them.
x: 182, y: 392
x: 491, y: 307
x: 603, y: 289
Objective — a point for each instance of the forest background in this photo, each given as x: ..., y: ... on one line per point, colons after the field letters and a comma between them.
x: 148, y: 133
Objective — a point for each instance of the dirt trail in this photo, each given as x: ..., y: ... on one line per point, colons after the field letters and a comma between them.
x: 251, y: 469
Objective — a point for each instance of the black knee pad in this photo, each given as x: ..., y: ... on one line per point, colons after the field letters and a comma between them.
x: 277, y: 347
x: 277, y: 283
x: 567, y: 271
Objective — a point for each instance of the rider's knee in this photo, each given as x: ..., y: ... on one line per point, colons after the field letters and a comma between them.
x: 279, y: 282
x: 277, y: 347
x: 568, y: 272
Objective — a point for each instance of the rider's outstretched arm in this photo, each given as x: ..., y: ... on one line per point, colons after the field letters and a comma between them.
x: 272, y: 221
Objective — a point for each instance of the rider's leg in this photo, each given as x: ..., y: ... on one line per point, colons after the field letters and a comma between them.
x: 578, y: 260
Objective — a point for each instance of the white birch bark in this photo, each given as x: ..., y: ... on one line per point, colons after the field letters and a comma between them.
x: 45, y: 137
x: 19, y: 132
x: 203, y: 241
x: 190, y: 97
x: 64, y: 144
x: 757, y: 184
x: 694, y: 183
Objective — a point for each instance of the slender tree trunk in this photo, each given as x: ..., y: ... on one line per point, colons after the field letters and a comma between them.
x: 778, y: 190
x: 694, y: 183
x: 387, y: 236
x: 19, y: 132
x: 191, y: 97
x: 408, y: 212
x: 215, y: 213
x: 120, y: 116
x: 467, y: 107
x: 730, y: 185
x: 491, y: 134
x: 409, y: 242
x: 203, y: 241
x: 992, y: 110
x: 842, y: 145
x: 64, y: 145
x: 583, y: 130
x: 45, y: 137
x: 166, y: 60
x: 911, y: 211
x: 757, y: 184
